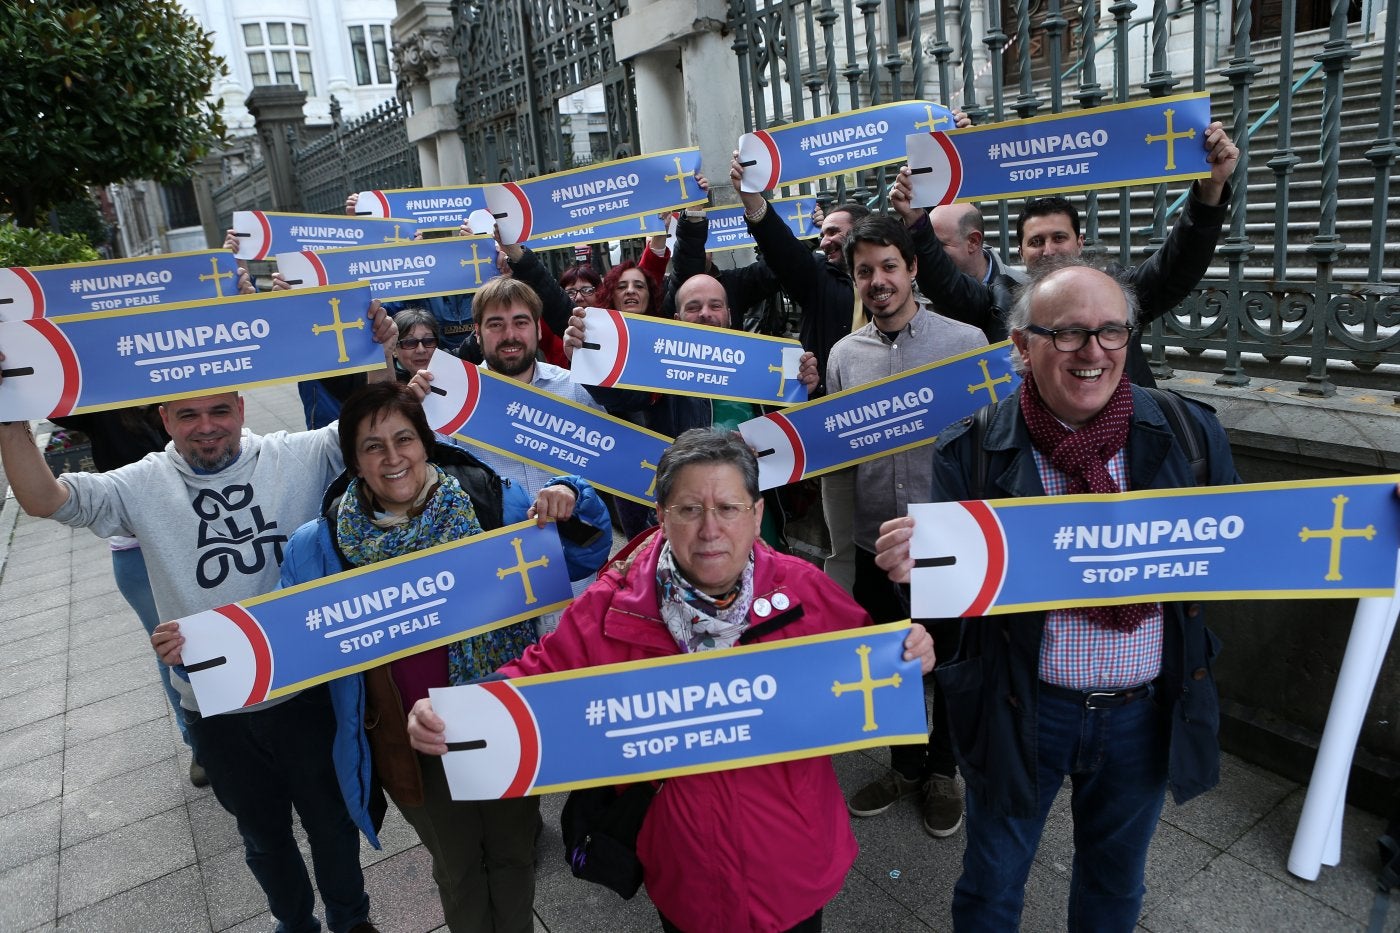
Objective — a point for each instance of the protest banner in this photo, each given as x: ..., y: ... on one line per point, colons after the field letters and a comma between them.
x: 634, y: 351
x: 879, y: 418
x: 536, y: 427
x: 111, y: 359
x: 842, y: 142
x: 729, y: 230
x: 648, y: 184
x: 114, y: 284
x: 1143, y: 142
x: 263, y: 233
x: 400, y: 272
x: 600, y: 231
x: 750, y: 705
x: 272, y: 645
x: 1311, y: 539
x: 427, y: 207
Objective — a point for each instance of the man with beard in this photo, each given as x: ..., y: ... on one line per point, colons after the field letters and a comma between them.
x: 507, y: 313
x: 212, y: 512
x: 901, y: 335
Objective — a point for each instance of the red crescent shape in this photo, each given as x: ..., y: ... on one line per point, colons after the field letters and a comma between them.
x: 774, y: 158
x: 955, y: 169
x: 527, y: 216
x: 525, y: 725
x: 623, y: 342
x: 68, y: 360
x: 262, y: 651
x: 799, y: 453
x: 469, y: 403
x: 996, y: 557
x: 383, y: 203
x: 267, y: 234
x: 319, y: 266
x: 36, y: 291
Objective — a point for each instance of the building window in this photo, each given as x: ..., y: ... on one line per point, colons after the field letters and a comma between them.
x: 279, y: 53
x: 181, y: 209
x: 369, y: 47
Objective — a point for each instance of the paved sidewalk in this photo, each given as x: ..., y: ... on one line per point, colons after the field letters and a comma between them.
x: 101, y: 831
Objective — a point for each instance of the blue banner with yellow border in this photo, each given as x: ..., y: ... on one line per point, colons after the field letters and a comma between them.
x: 112, y: 359
x: 728, y: 228
x: 116, y: 284
x: 879, y: 418
x: 447, y: 206
x: 260, y: 234
x: 1144, y: 142
x: 1311, y: 539
x: 399, y: 272
x: 842, y: 142
x: 600, y: 232
x: 544, y: 430
x: 648, y: 184
x: 634, y: 351
x: 269, y: 646
x: 713, y: 711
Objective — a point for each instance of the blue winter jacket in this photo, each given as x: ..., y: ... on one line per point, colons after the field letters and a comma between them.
x: 311, y: 554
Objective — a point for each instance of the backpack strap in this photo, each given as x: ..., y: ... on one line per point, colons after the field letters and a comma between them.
x: 982, y: 466
x: 1183, y: 427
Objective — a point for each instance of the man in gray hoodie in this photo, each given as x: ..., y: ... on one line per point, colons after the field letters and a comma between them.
x: 212, y: 512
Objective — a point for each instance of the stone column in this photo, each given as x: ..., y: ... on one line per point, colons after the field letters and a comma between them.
x: 687, y: 80
x: 427, y: 73
x: 275, y: 109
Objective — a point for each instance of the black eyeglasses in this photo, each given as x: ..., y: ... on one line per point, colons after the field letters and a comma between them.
x: 582, y: 290
x: 413, y: 343
x: 1070, y: 339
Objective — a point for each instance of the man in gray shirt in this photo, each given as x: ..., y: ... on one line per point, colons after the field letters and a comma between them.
x: 213, y: 511
x: 901, y: 335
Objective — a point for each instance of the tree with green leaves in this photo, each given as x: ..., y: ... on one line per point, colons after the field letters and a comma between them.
x: 97, y: 93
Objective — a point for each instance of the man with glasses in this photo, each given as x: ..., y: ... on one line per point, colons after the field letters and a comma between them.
x: 1118, y: 698
x: 1049, y: 228
x: 901, y: 335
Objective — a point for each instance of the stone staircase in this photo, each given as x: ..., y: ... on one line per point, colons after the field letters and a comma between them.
x: 1356, y: 188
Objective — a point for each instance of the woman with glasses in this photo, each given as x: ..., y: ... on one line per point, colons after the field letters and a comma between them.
x: 580, y: 284
x: 418, y: 338
x: 760, y: 848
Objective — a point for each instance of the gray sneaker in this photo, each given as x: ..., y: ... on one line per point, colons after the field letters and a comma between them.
x: 878, y: 796
x: 942, y: 806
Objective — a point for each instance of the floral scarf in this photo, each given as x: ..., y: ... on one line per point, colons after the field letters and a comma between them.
x: 443, y: 512
x: 698, y: 622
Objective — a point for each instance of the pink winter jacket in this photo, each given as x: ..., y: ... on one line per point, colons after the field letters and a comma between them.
x: 760, y: 848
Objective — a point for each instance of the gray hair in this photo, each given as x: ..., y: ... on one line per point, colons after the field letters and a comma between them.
x: 1020, y: 317
x: 706, y: 445
x: 409, y: 318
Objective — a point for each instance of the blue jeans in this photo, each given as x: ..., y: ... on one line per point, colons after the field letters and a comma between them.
x: 260, y: 765
x: 1117, y: 763
x: 129, y: 569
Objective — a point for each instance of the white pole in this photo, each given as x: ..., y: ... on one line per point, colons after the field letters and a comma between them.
x: 1319, y: 826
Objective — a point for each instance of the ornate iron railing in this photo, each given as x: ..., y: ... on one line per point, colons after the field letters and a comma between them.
x: 372, y: 151
x: 1309, y: 265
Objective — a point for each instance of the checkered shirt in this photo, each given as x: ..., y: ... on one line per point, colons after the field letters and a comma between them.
x: 1075, y: 652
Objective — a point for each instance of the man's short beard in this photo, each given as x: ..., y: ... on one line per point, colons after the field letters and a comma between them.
x: 226, y: 457
x: 501, y: 367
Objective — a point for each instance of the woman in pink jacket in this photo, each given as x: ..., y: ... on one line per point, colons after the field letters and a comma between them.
x: 761, y: 848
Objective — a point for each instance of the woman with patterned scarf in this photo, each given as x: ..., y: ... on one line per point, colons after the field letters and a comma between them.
x: 761, y: 848
x: 403, y: 492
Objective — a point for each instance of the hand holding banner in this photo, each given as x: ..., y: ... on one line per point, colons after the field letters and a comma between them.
x: 535, y: 427
x: 1143, y: 142
x: 112, y: 359
x: 843, y: 142
x: 728, y: 228
x: 1311, y: 539
x: 879, y: 418
x: 273, y: 645
x: 85, y: 287
x: 634, y: 351
x: 400, y: 272
x: 261, y: 233
x: 756, y: 704
x: 648, y: 184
